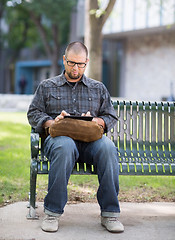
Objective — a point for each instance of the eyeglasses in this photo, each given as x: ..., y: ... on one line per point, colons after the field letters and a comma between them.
x: 72, y: 64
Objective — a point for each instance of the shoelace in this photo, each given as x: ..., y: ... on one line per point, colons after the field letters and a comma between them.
x: 112, y: 219
x: 50, y: 218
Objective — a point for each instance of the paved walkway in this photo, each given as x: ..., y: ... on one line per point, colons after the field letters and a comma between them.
x: 14, y: 102
x: 142, y: 221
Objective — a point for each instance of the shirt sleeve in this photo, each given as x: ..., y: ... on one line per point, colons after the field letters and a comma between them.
x: 107, y: 112
x: 36, y: 114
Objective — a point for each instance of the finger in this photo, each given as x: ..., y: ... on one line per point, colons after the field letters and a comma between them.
x: 83, y: 114
x: 88, y: 113
x: 95, y: 120
x: 64, y: 113
x: 59, y: 117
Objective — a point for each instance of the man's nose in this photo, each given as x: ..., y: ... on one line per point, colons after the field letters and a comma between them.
x: 75, y: 66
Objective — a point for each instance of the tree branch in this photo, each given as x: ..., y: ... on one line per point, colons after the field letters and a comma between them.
x: 15, y: 53
x: 55, y: 32
x: 42, y: 32
x: 108, y: 11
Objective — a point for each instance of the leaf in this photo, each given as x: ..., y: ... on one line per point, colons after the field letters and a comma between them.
x: 92, y: 11
x: 97, y: 12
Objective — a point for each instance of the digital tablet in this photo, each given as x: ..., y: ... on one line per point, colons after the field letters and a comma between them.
x: 85, y: 118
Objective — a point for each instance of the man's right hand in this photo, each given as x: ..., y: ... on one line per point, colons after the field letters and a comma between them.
x: 48, y: 123
x: 61, y: 116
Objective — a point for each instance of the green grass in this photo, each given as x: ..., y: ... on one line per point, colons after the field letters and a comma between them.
x: 15, y: 172
x: 14, y: 157
x: 147, y: 188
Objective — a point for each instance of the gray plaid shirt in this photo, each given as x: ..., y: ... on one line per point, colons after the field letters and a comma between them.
x: 56, y: 94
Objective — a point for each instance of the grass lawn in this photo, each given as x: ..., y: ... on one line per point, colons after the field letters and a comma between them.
x: 15, y: 172
x: 14, y: 157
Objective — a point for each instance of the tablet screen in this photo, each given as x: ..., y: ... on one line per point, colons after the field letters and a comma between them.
x: 86, y: 118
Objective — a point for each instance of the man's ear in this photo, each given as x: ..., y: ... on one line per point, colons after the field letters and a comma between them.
x: 64, y: 59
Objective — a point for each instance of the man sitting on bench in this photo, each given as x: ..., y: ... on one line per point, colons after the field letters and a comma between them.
x: 73, y: 93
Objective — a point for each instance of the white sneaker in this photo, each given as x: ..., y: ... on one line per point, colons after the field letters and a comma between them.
x: 112, y: 224
x: 50, y: 223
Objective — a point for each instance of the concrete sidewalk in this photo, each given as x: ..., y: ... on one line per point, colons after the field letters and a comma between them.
x: 142, y: 221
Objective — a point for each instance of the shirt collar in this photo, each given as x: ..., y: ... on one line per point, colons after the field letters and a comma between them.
x: 84, y: 80
x: 61, y: 80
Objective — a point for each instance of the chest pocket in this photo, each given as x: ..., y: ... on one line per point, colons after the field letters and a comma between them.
x: 90, y: 102
x: 54, y: 103
x: 59, y: 99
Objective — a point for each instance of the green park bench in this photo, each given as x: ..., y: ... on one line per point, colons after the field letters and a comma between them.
x: 144, y: 135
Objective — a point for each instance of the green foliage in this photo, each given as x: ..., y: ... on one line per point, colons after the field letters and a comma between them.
x: 49, y: 11
x: 54, y: 12
x: 22, y: 31
x: 97, y: 12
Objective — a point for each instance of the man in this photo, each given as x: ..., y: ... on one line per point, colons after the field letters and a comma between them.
x: 73, y: 93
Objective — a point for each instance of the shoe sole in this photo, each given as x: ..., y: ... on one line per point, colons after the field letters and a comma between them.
x: 112, y: 231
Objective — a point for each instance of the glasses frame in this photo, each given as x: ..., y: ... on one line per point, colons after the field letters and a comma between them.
x: 74, y: 63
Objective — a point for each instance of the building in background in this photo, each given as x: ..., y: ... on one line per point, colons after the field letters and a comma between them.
x: 138, y: 48
x: 28, y: 75
x: 138, y: 52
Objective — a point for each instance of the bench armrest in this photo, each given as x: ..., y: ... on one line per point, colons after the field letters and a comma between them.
x: 34, y: 137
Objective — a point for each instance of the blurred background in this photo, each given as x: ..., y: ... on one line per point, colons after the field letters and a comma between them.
x: 138, y: 44
x: 132, y: 51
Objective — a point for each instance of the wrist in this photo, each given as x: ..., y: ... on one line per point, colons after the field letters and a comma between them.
x: 100, y: 121
x: 48, y: 123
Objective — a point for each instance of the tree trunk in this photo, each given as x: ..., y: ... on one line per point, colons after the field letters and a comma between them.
x: 93, y: 40
x: 93, y: 36
x: 55, y: 69
x: 52, y: 52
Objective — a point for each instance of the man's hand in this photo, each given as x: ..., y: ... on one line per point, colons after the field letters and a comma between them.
x: 100, y: 121
x: 86, y: 114
x: 61, y: 116
x: 48, y: 123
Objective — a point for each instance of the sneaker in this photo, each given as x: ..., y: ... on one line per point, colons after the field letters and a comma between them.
x: 50, y: 223
x: 112, y: 224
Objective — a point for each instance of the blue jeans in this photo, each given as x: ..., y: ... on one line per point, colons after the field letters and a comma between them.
x: 63, y: 152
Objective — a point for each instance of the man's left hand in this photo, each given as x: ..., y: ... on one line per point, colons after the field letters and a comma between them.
x: 100, y: 121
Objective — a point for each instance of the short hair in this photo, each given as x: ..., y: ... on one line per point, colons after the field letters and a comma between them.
x: 77, y: 48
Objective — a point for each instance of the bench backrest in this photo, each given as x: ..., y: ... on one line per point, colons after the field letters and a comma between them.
x: 145, y: 130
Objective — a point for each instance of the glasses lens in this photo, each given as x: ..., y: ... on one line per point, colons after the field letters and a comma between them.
x: 71, y: 64
x: 81, y: 65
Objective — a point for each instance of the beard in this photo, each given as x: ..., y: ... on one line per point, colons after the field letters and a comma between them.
x: 71, y: 76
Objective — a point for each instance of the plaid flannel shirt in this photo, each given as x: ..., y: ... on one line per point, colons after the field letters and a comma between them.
x: 56, y: 94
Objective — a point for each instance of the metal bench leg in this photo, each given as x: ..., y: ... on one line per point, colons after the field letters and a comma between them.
x: 32, y: 194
